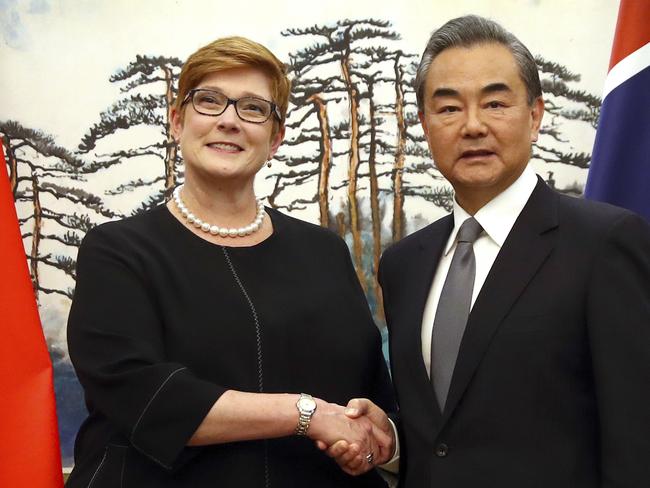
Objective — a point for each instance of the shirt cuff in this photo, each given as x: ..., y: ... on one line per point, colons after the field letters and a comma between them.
x: 392, y: 465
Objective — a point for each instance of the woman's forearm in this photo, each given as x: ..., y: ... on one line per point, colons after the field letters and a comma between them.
x: 242, y: 416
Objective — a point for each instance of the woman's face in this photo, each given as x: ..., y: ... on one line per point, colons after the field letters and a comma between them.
x: 225, y: 147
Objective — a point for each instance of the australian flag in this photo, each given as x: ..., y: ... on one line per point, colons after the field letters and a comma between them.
x: 620, y: 166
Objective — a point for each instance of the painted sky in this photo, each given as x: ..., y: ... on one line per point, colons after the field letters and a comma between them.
x: 57, y: 55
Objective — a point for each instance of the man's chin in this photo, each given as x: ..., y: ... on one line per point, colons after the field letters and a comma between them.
x: 478, y: 181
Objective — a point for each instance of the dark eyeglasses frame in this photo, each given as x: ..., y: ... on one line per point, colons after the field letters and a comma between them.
x: 232, y: 101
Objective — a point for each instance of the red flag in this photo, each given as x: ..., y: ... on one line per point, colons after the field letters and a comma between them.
x: 632, y: 30
x: 29, y: 440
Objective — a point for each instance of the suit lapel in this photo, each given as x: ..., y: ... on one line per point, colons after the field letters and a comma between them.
x: 418, y: 282
x: 528, y: 245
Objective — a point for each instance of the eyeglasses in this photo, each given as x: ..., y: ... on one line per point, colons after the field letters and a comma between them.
x: 250, y: 109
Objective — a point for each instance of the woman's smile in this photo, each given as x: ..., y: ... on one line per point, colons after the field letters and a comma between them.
x: 225, y: 147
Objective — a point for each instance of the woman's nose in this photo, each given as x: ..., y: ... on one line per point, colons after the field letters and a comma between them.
x: 229, y: 118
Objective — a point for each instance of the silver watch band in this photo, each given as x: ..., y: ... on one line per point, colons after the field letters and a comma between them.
x: 306, y: 407
x: 303, y: 424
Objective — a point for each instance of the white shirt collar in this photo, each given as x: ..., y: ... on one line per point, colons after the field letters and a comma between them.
x: 499, y: 215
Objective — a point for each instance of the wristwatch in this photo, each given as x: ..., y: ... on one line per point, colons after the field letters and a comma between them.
x: 306, y: 407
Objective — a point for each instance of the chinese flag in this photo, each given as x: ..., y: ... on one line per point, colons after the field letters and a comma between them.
x: 29, y: 440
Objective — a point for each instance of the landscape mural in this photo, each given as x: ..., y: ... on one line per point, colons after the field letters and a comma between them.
x: 354, y: 158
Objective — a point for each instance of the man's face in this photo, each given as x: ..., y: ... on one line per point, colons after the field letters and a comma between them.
x: 478, y: 122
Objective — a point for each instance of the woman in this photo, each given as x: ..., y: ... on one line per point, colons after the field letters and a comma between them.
x: 196, y: 325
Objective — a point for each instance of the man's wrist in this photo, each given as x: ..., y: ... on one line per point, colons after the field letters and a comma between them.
x: 392, y: 465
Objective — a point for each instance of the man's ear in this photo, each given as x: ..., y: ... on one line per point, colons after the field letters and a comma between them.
x: 423, y: 121
x: 425, y: 127
x: 537, y: 113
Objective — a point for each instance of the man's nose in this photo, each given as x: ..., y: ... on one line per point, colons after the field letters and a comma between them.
x: 474, y: 125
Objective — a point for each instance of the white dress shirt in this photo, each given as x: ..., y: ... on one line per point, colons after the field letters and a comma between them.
x: 497, y: 218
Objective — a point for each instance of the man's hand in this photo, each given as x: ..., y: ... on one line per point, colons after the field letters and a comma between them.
x: 357, y: 439
x: 350, y: 456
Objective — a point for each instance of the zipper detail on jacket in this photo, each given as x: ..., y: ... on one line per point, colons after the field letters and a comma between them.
x: 258, y: 339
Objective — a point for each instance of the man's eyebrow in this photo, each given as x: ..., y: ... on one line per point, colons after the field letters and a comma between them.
x: 495, y: 88
x: 486, y: 90
x: 445, y: 92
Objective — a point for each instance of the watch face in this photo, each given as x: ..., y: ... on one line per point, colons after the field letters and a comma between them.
x: 306, y: 404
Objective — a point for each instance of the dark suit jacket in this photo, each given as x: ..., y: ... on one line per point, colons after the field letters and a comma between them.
x: 552, y: 383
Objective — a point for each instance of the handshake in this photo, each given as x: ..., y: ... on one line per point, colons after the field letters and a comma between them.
x: 358, y: 436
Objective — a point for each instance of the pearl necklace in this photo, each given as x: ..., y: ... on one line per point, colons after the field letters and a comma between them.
x: 215, y: 229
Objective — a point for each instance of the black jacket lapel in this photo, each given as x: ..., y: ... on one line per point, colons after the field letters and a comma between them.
x: 528, y: 245
x: 417, y: 279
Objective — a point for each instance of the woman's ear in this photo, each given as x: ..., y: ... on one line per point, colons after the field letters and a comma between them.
x: 176, y: 125
x: 276, y: 140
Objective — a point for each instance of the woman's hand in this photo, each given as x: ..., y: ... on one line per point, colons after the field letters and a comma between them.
x: 357, y: 437
x: 354, y: 441
x: 350, y: 458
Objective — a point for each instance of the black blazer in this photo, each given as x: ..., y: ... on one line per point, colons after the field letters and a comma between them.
x: 163, y: 322
x: 552, y: 383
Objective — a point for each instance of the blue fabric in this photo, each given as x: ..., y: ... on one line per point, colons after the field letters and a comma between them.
x: 620, y: 167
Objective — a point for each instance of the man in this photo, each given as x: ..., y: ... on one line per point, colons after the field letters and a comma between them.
x: 547, y: 382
